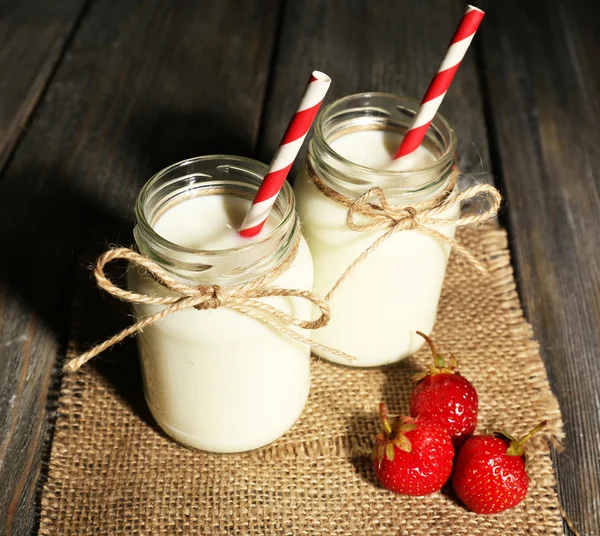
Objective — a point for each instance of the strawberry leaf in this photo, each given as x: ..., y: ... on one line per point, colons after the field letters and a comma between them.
x: 419, y: 376
x: 375, y: 452
x: 407, y: 427
x: 403, y: 443
x: 389, y: 451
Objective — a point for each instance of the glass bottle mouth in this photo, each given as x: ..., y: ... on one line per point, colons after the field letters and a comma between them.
x: 210, y: 175
x: 380, y: 111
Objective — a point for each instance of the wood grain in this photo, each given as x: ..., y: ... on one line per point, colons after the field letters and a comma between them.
x: 33, y: 35
x: 388, y: 45
x: 543, y: 75
x: 142, y: 85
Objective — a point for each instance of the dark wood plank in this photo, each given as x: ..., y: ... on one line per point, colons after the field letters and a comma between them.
x: 388, y: 46
x: 33, y: 35
x: 142, y: 85
x: 543, y: 76
x: 395, y: 46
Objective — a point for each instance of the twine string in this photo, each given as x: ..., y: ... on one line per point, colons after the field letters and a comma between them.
x: 363, y: 215
x: 244, y: 299
x: 416, y: 217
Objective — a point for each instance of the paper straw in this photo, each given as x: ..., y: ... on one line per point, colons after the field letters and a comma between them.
x: 441, y: 81
x: 286, y: 153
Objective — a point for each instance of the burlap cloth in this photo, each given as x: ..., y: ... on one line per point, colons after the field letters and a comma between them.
x: 112, y: 471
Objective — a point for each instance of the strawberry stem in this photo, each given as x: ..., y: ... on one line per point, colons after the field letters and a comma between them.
x: 383, y: 415
x: 516, y: 447
x: 531, y: 433
x: 438, y: 359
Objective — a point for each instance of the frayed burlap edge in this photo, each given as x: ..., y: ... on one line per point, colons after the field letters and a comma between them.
x: 493, y: 248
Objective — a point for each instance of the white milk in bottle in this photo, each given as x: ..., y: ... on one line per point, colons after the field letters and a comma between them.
x: 215, y: 379
x: 395, y: 291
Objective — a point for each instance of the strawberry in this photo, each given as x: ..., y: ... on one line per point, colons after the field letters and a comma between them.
x: 490, y: 472
x: 412, y: 457
x: 442, y: 396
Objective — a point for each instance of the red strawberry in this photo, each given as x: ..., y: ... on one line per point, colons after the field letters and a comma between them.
x: 412, y: 457
x: 490, y: 472
x: 444, y: 397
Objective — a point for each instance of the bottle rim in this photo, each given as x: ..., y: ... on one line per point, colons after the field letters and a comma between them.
x: 440, y: 127
x: 285, y: 198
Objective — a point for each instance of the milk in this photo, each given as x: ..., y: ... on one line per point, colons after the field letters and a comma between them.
x: 395, y: 291
x: 376, y: 148
x: 217, y: 380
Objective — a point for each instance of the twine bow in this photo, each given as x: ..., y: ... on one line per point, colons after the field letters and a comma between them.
x: 416, y: 217
x: 244, y: 299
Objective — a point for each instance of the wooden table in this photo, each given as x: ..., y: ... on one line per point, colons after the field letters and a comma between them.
x: 97, y: 95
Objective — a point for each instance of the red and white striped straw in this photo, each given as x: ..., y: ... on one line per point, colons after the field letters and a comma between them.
x: 286, y: 153
x: 441, y: 81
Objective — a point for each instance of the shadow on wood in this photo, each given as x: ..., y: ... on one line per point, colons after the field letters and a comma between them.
x: 175, y: 137
x: 54, y: 229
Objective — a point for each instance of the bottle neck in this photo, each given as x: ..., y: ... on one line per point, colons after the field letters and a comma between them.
x: 389, y: 114
x: 213, y: 175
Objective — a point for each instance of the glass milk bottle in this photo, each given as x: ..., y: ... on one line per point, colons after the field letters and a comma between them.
x: 395, y: 291
x: 215, y: 379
